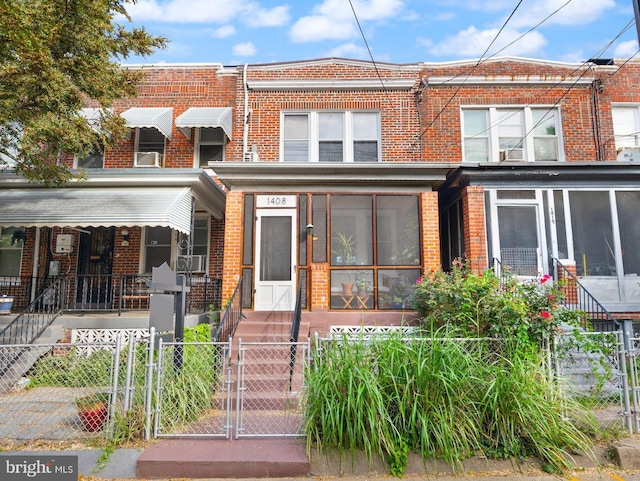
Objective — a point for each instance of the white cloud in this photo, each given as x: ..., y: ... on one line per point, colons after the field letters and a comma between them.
x: 259, y: 17
x: 626, y: 49
x: 201, y: 11
x: 246, y: 49
x: 334, y: 19
x: 348, y: 50
x: 572, y: 12
x: 316, y: 28
x: 473, y: 43
x: 224, y: 32
x: 365, y: 9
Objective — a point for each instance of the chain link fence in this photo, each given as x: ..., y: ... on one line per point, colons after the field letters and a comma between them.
x: 143, y: 387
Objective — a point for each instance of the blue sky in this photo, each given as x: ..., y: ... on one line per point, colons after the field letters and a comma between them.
x: 235, y: 32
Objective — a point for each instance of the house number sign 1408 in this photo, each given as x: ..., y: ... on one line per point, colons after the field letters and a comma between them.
x: 288, y: 201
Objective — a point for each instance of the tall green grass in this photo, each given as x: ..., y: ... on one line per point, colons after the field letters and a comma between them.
x: 443, y: 397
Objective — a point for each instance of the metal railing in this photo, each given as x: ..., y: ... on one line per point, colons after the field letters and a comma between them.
x: 39, y: 315
x: 578, y: 298
x: 231, y: 317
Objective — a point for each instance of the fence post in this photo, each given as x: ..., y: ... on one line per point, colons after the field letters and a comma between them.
x: 149, y: 383
x: 624, y: 374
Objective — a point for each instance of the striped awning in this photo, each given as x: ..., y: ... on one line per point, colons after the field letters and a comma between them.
x: 205, y: 117
x: 159, y: 118
x: 97, y: 207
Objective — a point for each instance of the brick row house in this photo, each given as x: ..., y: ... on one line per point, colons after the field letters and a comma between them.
x: 344, y: 180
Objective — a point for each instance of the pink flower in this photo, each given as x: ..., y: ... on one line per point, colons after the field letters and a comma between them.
x: 545, y: 278
x: 419, y: 281
x: 545, y: 314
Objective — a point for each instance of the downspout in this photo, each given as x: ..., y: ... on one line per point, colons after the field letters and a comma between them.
x: 36, y: 261
x: 245, y: 128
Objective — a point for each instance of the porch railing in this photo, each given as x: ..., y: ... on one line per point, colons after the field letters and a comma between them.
x: 231, y: 317
x: 32, y: 321
x: 118, y: 292
x: 578, y: 298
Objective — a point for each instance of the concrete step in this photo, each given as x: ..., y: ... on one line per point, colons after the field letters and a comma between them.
x: 241, y: 458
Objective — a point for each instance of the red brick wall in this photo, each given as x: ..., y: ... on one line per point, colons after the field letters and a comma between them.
x: 475, y: 239
x: 430, y: 231
x: 231, y: 270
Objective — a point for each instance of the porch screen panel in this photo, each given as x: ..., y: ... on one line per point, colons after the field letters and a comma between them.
x: 561, y: 224
x: 398, y: 230
x: 592, y: 233
x: 628, y: 208
x: 351, y: 230
x: 247, y: 237
x: 319, y: 221
x: 518, y: 234
x: 275, y: 249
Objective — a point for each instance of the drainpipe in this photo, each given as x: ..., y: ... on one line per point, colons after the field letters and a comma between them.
x: 36, y: 261
x: 245, y: 131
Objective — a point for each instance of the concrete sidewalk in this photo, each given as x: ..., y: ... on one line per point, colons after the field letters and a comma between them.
x: 123, y: 464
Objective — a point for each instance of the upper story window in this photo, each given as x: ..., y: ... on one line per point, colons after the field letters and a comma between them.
x: 93, y: 160
x: 210, y: 142
x: 511, y: 134
x: 11, y: 244
x: 149, y: 147
x: 626, y: 125
x: 331, y: 137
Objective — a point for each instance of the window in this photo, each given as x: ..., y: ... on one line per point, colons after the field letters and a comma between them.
x: 157, y: 247
x: 93, y: 160
x: 150, y: 148
x: 198, y: 260
x: 11, y: 244
x: 210, y: 145
x: 626, y: 126
x: 511, y: 134
x: 331, y: 137
x: 375, y: 250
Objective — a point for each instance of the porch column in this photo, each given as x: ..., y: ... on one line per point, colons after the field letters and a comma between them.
x: 430, y: 231
x: 475, y: 236
x: 319, y: 273
x: 232, y: 263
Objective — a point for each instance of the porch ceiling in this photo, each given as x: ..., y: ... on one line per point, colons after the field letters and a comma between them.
x: 315, y: 176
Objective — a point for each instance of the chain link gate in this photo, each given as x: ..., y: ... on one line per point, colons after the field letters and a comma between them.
x: 192, y: 390
x: 269, y: 391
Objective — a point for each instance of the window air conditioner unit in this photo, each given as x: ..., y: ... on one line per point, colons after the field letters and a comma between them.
x: 511, y: 154
x: 192, y: 264
x: 251, y: 157
x: 148, y: 159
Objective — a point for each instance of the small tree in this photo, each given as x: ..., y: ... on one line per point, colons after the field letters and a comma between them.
x: 55, y: 55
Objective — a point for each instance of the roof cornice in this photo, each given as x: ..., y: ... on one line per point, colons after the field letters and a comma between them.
x: 348, y: 84
x: 509, y: 80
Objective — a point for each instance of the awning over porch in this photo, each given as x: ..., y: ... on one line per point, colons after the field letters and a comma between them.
x: 97, y: 207
x: 205, y: 117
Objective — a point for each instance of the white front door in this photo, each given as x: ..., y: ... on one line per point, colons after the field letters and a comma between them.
x: 275, y: 260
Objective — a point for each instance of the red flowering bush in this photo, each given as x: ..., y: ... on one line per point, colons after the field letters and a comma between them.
x: 484, y: 305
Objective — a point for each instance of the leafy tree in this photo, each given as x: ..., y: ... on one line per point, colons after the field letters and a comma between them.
x: 57, y: 56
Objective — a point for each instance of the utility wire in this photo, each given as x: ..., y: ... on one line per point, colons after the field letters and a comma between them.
x: 364, y: 38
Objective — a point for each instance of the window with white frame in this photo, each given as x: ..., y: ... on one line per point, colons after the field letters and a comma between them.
x: 11, y: 244
x: 626, y: 125
x: 150, y: 144
x: 329, y: 136
x: 157, y: 247
x: 210, y: 144
x: 198, y: 259
x: 511, y: 134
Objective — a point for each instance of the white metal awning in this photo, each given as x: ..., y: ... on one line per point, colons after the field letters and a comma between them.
x: 205, y: 117
x: 97, y: 207
x: 159, y: 118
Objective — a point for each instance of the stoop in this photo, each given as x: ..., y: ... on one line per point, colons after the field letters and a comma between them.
x: 208, y: 458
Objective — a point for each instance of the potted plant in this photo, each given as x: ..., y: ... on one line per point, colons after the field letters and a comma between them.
x: 93, y: 410
x: 343, y: 247
x: 362, y: 283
